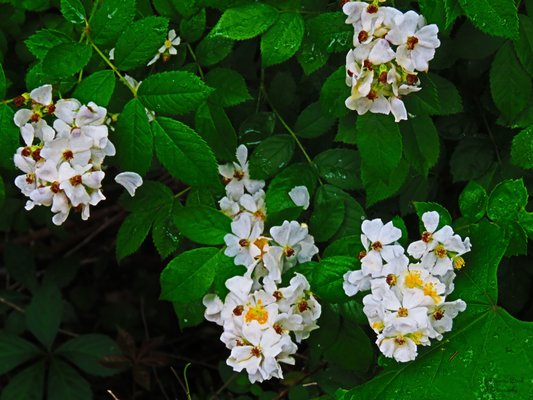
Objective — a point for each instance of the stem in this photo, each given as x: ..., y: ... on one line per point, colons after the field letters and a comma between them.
x: 200, y: 71
x: 291, y: 132
x: 112, y: 66
x: 179, y: 194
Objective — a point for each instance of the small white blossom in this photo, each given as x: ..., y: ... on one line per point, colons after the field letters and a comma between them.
x: 300, y: 196
x: 168, y: 48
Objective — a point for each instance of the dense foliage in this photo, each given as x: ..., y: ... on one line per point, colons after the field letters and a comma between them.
x: 112, y: 307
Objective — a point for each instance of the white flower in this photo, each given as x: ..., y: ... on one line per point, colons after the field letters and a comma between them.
x: 256, y: 353
x: 355, y: 282
x: 441, y: 316
x: 294, y: 239
x: 402, y: 347
x: 416, y: 41
x: 130, y: 180
x: 241, y: 242
x: 254, y: 205
x: 300, y: 196
x: 378, y: 240
x: 168, y: 48
x: 76, y: 149
x: 237, y: 176
x: 213, y: 308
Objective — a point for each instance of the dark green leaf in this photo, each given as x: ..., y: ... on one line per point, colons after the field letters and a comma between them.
x: 522, y: 149
x: 348, y: 246
x: 330, y: 32
x: 140, y: 42
x: 326, y: 277
x: 340, y: 167
x: 110, y: 20
x: 346, y: 129
x: 73, y: 11
x: 214, y: 126
x: 43, y: 315
x: 380, y: 145
x: 524, y: 45
x: 15, y: 351
x: 27, y: 384
x: 333, y: 94
x: 507, y: 200
x: 271, y: 155
x: 64, y: 382
x: 283, y: 39
x: 86, y: 351
x: 246, y: 22
x: 10, y: 137
x: 132, y: 233
x: 165, y: 235
x: 378, y: 189
x: 20, y: 264
x: 191, y: 29
x: 97, y: 87
x: 3, y: 83
x: 510, y: 95
x: 66, y: 59
x: 173, y: 93
x: 230, y: 87
x: 421, y: 143
x: 133, y: 138
x: 188, y: 276
x: 326, y: 219
x: 189, y: 314
x: 473, y: 201
x: 495, y: 17
x: 471, y: 159
x: 40, y: 42
x: 439, y: 97
x: 202, y: 224
x: 184, y: 154
x: 213, y: 49
x: 312, y: 122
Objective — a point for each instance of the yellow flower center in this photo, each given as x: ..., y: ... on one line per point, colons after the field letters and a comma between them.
x: 378, y: 326
x: 431, y: 291
x: 257, y: 313
x: 412, y: 279
x: 403, y: 312
x: 440, y: 251
x: 168, y: 43
x: 458, y: 262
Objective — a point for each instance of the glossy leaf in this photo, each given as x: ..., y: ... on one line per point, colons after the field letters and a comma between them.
x: 201, y: 224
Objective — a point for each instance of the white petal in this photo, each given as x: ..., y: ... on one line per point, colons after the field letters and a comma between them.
x: 300, y: 196
x: 130, y: 180
x: 431, y: 220
x: 42, y: 94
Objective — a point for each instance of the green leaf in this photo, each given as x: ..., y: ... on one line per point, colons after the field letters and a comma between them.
x: 340, y: 167
x: 10, y: 137
x: 257, y: 127
x: 481, y: 334
x: 66, y: 59
x: 184, y: 154
x: 165, y: 235
x: 20, y: 264
x: 344, y: 354
x: 64, y: 382
x: 495, y: 17
x: 188, y: 276
x: 214, y: 126
x: 312, y: 122
x: 380, y: 145
x: 202, y: 224
x: 151, y: 198
x: 421, y: 143
x: 132, y: 233
x: 246, y: 22
x: 40, y: 42
x: 191, y: 29
x: 330, y: 32
x: 278, y: 203
x: 230, y: 87
x: 226, y: 269
x: 507, y: 200
x: 326, y: 219
x: 133, y: 138
x: 3, y: 83
x: 97, y: 87
x: 453, y: 11
x: 511, y: 96
x: 174, y: 93
x: 86, y: 351
x: 43, y: 315
x: 522, y: 149
x: 189, y: 314
x: 524, y: 44
x: 311, y: 57
x: 110, y: 20
x: 378, y: 189
x: 439, y: 97
x: 271, y: 155
x: 140, y: 42
x: 283, y: 39
x: 348, y: 246
x: 333, y: 94
x: 15, y: 351
x: 423, y: 207
x: 27, y: 384
x: 213, y: 49
x: 326, y: 277
x: 346, y: 130
x: 185, y: 7
x: 73, y: 11
x: 473, y: 201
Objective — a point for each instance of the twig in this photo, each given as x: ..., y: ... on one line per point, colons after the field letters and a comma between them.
x: 285, y: 392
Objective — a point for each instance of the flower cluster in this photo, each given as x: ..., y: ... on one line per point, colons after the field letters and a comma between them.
x: 257, y: 315
x: 378, y: 73
x: 407, y: 305
x: 63, y: 163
